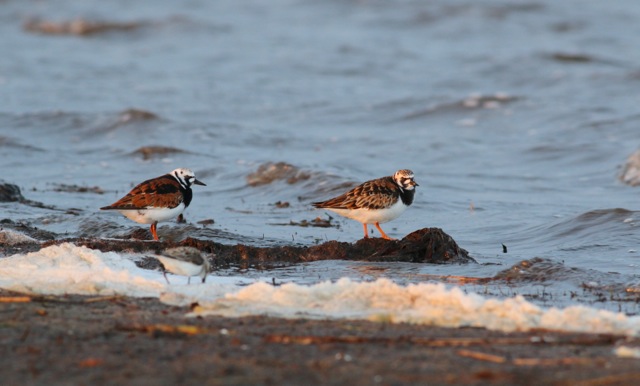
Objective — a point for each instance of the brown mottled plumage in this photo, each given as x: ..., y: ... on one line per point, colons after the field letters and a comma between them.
x: 375, y: 194
x: 376, y: 201
x: 160, y: 192
x: 158, y: 199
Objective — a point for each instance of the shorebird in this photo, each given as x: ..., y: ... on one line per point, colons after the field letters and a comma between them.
x: 376, y: 201
x: 158, y: 199
x: 185, y: 261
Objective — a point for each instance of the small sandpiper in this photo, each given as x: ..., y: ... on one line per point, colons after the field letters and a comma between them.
x: 185, y: 261
x: 376, y: 201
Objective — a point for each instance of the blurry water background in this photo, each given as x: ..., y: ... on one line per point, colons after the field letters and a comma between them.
x: 515, y: 116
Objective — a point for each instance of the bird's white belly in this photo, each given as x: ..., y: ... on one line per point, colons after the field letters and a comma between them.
x: 368, y: 216
x: 151, y: 215
x: 179, y: 267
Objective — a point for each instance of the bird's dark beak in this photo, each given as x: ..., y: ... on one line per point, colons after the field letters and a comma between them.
x: 415, y: 183
x: 198, y: 182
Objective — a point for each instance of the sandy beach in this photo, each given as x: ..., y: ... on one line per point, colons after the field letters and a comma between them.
x: 66, y: 340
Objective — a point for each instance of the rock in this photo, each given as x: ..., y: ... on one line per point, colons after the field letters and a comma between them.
x: 567, y: 57
x: 148, y: 152
x: 78, y: 27
x: 10, y: 193
x: 432, y: 245
x: 270, y: 172
x: 137, y: 115
x: 428, y: 245
x: 77, y: 189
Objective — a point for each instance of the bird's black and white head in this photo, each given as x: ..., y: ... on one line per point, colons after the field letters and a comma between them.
x: 186, y: 178
x: 404, y: 179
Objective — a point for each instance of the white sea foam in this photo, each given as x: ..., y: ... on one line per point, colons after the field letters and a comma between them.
x: 69, y: 269
x: 627, y: 352
x: 10, y: 237
x: 429, y: 304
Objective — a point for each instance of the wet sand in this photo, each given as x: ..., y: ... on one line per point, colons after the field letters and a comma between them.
x: 121, y: 340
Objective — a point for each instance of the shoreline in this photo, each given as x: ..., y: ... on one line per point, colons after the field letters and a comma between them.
x: 117, y: 339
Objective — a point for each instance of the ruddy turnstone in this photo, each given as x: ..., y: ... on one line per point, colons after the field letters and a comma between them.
x: 185, y: 261
x: 158, y: 199
x: 376, y: 201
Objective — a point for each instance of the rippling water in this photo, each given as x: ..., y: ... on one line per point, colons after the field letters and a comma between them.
x: 515, y: 117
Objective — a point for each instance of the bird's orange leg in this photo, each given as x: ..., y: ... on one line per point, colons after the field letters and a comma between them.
x: 384, y: 235
x: 366, y: 234
x: 153, y: 231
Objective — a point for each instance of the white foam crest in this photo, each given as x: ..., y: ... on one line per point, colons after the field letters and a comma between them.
x: 627, y: 352
x: 69, y: 269
x: 429, y: 304
x: 10, y: 237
